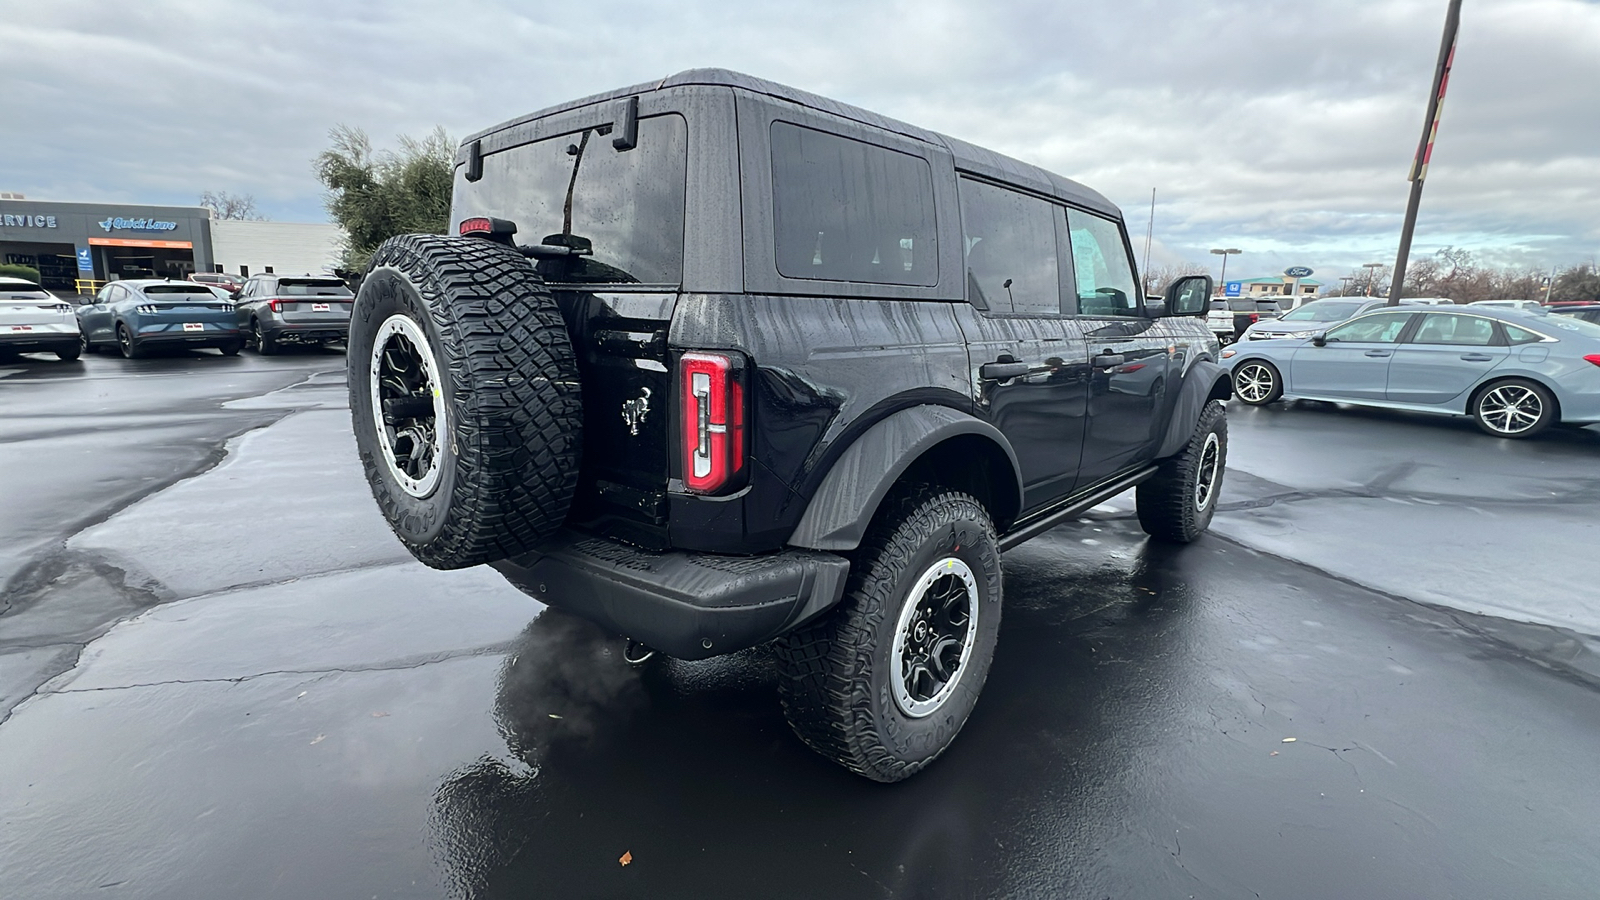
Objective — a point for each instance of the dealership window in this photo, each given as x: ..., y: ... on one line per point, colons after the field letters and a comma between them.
x: 846, y: 210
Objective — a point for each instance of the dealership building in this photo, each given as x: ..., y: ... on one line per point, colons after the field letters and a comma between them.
x: 80, y: 246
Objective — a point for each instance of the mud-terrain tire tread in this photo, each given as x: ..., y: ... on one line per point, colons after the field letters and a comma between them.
x: 512, y: 390
x: 1165, y: 500
x: 824, y: 696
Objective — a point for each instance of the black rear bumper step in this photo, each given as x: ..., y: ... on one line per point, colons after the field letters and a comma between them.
x: 687, y: 605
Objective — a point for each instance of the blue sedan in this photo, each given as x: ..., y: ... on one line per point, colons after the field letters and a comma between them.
x: 1515, y: 373
x: 135, y: 316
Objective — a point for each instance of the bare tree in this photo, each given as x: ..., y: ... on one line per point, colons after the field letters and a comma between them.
x: 1156, y: 278
x: 224, y: 205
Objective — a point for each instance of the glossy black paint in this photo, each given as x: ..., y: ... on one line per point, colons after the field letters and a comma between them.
x: 831, y: 359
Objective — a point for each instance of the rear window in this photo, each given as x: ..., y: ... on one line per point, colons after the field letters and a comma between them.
x: 1322, y: 311
x: 198, y: 290
x: 329, y: 287
x: 24, y: 291
x: 579, y: 190
x: 1253, y: 305
x: 846, y: 210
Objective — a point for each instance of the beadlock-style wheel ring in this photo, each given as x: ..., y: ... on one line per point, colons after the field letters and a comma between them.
x: 407, y: 404
x: 933, y: 639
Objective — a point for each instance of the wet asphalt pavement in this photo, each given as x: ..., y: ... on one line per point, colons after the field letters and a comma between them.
x: 221, y: 676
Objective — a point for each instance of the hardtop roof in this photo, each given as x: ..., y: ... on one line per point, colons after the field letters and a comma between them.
x: 968, y: 157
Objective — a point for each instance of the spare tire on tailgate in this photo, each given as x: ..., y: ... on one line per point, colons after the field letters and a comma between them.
x: 465, y: 398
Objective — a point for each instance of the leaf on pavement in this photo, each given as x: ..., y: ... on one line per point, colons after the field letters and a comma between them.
x: 1289, y: 740
x: 626, y: 858
x: 318, y: 739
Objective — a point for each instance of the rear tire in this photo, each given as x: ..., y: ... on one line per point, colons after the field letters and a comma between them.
x: 85, y: 345
x: 69, y: 354
x: 128, y: 344
x: 1515, y: 408
x: 1177, y: 503
x: 464, y: 395
x: 923, y: 598
x: 1257, y: 382
x: 232, y: 349
x: 265, y: 344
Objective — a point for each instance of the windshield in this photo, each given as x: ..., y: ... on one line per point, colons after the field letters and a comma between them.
x: 577, y: 190
x: 1322, y: 311
x: 193, y: 290
x: 330, y: 287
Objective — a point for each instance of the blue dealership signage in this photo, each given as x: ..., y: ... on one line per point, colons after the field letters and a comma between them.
x: 136, y: 224
x: 1233, y: 289
x: 85, y: 260
x: 1297, y: 272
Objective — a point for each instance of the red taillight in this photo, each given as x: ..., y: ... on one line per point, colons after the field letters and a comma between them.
x: 1594, y: 358
x: 476, y: 225
x: 276, y: 303
x: 712, y: 413
x: 1254, y: 318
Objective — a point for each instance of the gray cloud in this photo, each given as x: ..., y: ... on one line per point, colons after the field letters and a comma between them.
x: 1283, y: 128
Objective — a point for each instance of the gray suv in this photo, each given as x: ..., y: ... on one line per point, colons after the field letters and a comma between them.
x: 274, y: 310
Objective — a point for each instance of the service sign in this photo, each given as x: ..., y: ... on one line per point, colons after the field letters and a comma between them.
x: 11, y: 221
x: 1297, y: 272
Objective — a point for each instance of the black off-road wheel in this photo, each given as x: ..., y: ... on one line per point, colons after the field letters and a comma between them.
x: 882, y: 684
x: 1177, y: 503
x: 465, y: 399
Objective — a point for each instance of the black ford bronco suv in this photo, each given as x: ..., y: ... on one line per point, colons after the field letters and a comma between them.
x: 713, y: 362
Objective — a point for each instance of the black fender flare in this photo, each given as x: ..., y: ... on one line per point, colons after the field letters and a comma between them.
x: 1205, y: 381
x: 840, y: 511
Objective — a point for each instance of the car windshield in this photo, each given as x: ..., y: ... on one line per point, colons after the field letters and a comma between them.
x: 1322, y: 311
x: 192, y: 290
x: 319, y: 287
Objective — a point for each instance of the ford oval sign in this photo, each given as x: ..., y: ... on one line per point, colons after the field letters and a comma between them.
x: 1297, y: 272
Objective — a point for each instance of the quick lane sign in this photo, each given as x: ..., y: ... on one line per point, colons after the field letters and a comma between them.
x: 136, y: 224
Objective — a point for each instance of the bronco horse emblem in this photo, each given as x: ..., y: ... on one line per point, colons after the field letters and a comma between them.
x: 634, y: 411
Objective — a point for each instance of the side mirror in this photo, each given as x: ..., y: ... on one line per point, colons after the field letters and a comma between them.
x: 1320, y: 339
x: 1189, y: 296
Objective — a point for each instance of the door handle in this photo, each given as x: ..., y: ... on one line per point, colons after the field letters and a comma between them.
x: 1108, y: 360
x: 1001, y: 371
x: 1477, y: 357
x: 1379, y: 353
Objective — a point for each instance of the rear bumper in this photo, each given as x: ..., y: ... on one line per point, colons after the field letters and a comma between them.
x: 209, y: 337
x: 37, y: 341
x: 290, y: 334
x: 687, y: 605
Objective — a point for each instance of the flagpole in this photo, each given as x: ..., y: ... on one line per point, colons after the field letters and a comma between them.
x: 1430, y: 131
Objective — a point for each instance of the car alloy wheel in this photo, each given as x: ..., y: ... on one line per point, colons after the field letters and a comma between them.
x: 1206, y: 476
x: 933, y: 640
x: 125, y: 341
x: 1511, y: 409
x: 1254, y: 383
x: 407, y: 405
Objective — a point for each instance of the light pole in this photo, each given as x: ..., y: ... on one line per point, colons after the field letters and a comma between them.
x: 1372, y: 275
x: 1344, y: 289
x: 1222, y: 280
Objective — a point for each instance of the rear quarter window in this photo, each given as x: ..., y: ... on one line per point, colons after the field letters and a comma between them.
x: 847, y: 210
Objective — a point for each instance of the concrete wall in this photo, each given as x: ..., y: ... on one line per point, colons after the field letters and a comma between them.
x: 290, y: 248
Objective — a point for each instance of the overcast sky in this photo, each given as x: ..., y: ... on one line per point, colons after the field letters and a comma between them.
x: 1282, y: 127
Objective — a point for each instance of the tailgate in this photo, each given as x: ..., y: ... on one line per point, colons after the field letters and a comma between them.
x: 621, y: 342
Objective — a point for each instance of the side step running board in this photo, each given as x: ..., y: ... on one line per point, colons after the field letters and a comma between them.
x: 1039, y: 523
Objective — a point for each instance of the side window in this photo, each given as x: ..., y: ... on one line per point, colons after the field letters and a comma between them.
x: 1515, y: 335
x: 1103, y: 274
x: 846, y: 210
x: 1450, y: 328
x: 1010, y: 250
x: 104, y: 296
x: 1380, y: 328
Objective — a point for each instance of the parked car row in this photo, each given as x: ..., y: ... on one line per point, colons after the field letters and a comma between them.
x: 266, y: 312
x: 1516, y: 372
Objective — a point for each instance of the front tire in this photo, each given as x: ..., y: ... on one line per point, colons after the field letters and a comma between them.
x: 465, y: 398
x: 1176, y: 504
x: 1257, y: 382
x: 882, y: 684
x: 1515, y: 408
